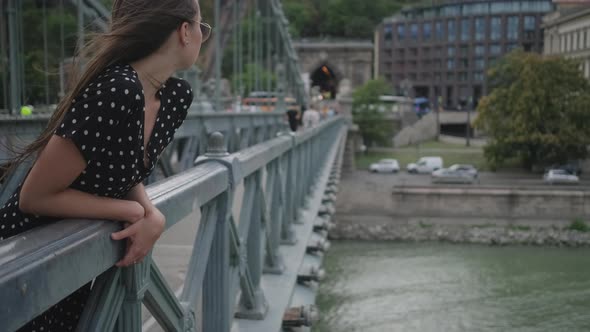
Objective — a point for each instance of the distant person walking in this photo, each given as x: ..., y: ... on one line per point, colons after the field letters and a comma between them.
x: 293, y: 117
x: 311, y: 118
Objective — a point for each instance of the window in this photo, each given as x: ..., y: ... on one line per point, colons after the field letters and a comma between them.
x: 427, y: 30
x: 511, y: 47
x: 451, y: 31
x: 437, y: 77
x: 388, y: 32
x: 478, y: 76
x: 438, y: 52
x: 480, y: 64
x: 465, y: 29
x: 463, y: 76
x: 505, y: 7
x: 450, y: 77
x: 451, y: 64
x: 480, y: 28
x: 496, y: 28
x: 513, y: 28
x: 464, y: 63
x: 479, y: 50
x: 439, y: 30
x: 414, y: 31
x: 536, y: 6
x: 476, y: 9
x: 437, y: 64
x: 426, y: 52
x: 464, y: 50
x: 495, y: 49
x: 530, y: 23
x: 401, y: 31
x: 451, y: 10
x: 451, y: 51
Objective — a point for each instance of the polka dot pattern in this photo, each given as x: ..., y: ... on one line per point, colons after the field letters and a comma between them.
x: 106, y: 123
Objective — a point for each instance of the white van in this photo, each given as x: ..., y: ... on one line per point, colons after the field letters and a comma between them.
x: 425, y: 165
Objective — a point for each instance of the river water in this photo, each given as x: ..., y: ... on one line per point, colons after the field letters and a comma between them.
x: 385, y: 286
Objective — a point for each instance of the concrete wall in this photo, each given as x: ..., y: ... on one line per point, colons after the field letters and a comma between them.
x: 423, y: 130
x: 465, y: 203
x: 559, y: 205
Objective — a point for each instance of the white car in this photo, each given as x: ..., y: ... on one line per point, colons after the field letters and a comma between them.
x: 385, y: 166
x: 447, y: 175
x: 425, y: 165
x: 560, y: 176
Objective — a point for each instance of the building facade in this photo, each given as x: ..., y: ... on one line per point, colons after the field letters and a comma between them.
x: 444, y: 50
x: 567, y: 33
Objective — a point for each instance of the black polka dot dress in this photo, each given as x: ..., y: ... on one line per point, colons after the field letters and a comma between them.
x: 106, y: 123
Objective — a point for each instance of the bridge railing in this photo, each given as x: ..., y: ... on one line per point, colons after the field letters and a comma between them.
x: 242, y: 130
x: 40, y: 267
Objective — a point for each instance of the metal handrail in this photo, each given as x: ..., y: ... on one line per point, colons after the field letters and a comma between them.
x: 42, y: 266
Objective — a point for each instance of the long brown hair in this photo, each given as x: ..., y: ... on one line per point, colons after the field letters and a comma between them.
x: 138, y: 28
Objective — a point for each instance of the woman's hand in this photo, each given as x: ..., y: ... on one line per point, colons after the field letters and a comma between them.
x: 141, y: 235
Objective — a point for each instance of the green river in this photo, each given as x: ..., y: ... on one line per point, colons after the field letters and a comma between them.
x: 387, y: 286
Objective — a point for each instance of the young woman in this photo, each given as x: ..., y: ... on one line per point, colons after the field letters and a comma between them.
x: 106, y: 136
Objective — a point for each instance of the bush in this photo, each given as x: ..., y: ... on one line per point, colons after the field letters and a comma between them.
x: 578, y: 225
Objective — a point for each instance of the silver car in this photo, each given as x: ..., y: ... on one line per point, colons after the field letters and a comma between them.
x: 560, y: 176
x: 470, y: 169
x: 447, y: 175
x: 385, y: 166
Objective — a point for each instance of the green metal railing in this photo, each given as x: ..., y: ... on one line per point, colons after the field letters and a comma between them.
x: 281, y: 178
x: 242, y: 130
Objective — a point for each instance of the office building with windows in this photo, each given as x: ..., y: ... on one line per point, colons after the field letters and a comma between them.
x: 444, y: 50
x: 567, y: 33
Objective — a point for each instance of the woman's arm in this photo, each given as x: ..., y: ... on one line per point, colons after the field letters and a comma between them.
x: 138, y: 194
x: 45, y: 190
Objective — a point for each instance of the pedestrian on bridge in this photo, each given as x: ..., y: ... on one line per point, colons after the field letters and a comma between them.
x: 107, y: 134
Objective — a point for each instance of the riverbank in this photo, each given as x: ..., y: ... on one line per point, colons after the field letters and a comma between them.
x: 574, y: 234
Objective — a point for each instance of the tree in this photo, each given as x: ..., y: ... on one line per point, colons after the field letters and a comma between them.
x: 536, y: 112
x: 366, y: 114
x: 247, y: 78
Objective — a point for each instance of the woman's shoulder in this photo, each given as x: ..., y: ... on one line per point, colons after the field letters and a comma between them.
x: 180, y: 91
x: 118, y: 75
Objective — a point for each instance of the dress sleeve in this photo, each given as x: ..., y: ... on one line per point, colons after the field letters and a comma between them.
x: 97, y: 112
x: 185, y: 99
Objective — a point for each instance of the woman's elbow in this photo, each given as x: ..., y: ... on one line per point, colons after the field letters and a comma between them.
x: 26, y: 203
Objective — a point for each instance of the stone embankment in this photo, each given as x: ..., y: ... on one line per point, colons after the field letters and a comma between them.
x: 478, y: 234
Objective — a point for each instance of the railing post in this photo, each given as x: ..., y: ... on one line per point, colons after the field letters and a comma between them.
x: 217, y: 305
x: 136, y: 281
x: 287, y: 232
x: 254, y: 306
x: 274, y: 260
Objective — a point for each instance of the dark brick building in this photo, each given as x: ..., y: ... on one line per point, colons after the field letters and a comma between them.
x: 445, y: 49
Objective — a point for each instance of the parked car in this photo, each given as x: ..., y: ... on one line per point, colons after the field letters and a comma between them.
x: 470, y: 169
x: 447, y: 175
x: 560, y: 176
x: 385, y: 166
x: 425, y: 165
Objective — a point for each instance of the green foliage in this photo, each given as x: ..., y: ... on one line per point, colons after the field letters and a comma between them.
x: 371, y: 122
x: 578, y: 225
x: 248, y: 78
x: 536, y: 112
x: 339, y: 18
x: 34, y: 55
